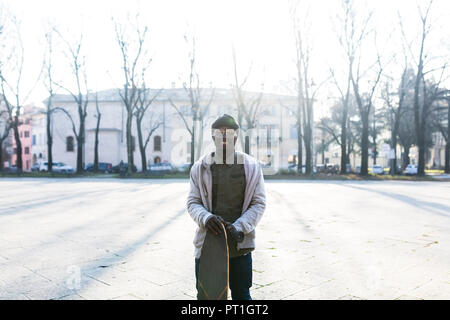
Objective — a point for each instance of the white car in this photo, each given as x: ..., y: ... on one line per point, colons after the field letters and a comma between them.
x: 377, y: 169
x: 162, y: 167
x: 411, y: 169
x: 43, y: 166
x: 62, y: 168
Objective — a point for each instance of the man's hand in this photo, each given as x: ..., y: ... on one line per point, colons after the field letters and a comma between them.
x: 235, y: 235
x: 214, y: 224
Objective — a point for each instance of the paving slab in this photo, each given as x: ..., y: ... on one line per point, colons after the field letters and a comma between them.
x: 94, y: 238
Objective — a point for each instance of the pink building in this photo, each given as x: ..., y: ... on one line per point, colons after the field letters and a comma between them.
x: 25, y: 138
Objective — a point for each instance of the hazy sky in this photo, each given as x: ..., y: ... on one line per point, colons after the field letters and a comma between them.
x: 259, y: 30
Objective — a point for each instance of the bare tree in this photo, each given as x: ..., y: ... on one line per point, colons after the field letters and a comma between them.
x: 247, y: 107
x: 332, y: 127
x: 306, y: 88
x: 406, y: 133
x: 48, y: 83
x: 5, y: 128
x: 395, y: 107
x: 376, y: 127
x: 344, y: 119
x: 132, y: 40
x: 355, y: 37
x: 440, y: 119
x: 12, y: 59
x: 143, y: 111
x: 198, y: 106
x: 349, y: 39
x: 423, y: 97
x: 77, y: 64
x: 97, y: 115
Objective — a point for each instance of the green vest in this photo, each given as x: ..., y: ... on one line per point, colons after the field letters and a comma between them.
x: 228, y: 190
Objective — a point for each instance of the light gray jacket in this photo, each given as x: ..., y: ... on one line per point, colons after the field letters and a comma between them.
x: 199, y: 201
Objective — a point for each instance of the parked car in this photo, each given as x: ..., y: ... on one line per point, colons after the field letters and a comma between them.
x: 11, y: 169
x: 116, y: 168
x: 358, y: 169
x: 377, y: 169
x: 293, y: 168
x: 35, y: 167
x: 61, y: 167
x: 43, y: 166
x: 102, y: 167
x: 161, y: 167
x: 321, y: 168
x: 411, y: 169
x: 184, y: 167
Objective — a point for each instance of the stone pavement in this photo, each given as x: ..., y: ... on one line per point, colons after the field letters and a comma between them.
x: 132, y: 239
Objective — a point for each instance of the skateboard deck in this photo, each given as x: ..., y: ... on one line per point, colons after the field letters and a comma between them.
x: 213, y: 267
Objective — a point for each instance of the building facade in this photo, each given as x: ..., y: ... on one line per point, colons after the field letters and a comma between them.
x: 272, y: 141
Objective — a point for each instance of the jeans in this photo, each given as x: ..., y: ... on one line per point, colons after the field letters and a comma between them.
x: 240, y: 276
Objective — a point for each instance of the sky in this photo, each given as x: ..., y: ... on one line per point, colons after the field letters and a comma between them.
x: 260, y: 31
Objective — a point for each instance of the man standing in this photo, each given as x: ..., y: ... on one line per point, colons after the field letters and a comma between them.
x: 227, y: 187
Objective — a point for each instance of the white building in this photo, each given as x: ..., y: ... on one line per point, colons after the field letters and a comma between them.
x: 171, y: 141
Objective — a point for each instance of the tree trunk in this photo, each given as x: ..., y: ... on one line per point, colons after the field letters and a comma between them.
x: 447, y: 157
x: 422, y: 149
x: 394, y: 146
x: 344, y: 142
x: 365, y: 144
x: 79, y: 154
x: 199, y: 139
x: 130, y: 159
x: 80, y: 143
x: 300, y: 151
x: 49, y: 143
x: 447, y: 145
x: 97, y: 129
x: 18, y: 144
x: 247, y: 145
x: 193, y: 144
x: 406, y: 159
x: 347, y: 158
x: 374, y: 152
x: 323, y: 151
x: 308, y: 151
x: 141, y: 145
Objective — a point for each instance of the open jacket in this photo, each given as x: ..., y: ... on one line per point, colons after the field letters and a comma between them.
x: 199, y: 201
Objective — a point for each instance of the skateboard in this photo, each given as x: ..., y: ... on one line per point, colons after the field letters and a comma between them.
x: 213, y: 267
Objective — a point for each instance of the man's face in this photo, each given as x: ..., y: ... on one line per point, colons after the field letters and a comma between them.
x: 224, y: 137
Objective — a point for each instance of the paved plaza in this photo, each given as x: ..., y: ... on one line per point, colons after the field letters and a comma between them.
x: 87, y: 238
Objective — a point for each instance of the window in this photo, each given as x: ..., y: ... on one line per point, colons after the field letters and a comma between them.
x: 157, y: 143
x: 69, y: 144
x: 27, y: 150
x: 33, y: 140
x: 27, y: 134
x: 21, y: 134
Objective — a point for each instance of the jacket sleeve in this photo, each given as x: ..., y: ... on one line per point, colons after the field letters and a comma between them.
x: 194, y: 202
x: 249, y: 219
